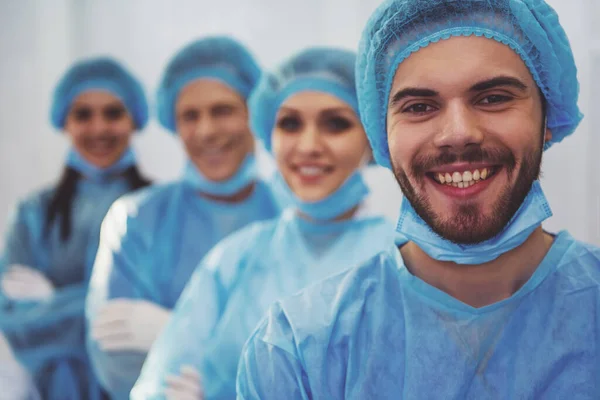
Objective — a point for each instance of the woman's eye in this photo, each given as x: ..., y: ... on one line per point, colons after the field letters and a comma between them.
x: 114, y: 113
x: 82, y: 114
x: 289, y: 124
x: 337, y: 124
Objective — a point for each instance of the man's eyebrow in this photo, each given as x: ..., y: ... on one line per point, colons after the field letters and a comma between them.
x: 497, y: 82
x: 412, y: 92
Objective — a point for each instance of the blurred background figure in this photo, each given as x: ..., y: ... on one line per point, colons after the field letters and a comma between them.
x: 152, y: 240
x: 306, y: 113
x: 53, y: 236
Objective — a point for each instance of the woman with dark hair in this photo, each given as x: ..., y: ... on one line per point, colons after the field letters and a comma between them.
x: 53, y: 237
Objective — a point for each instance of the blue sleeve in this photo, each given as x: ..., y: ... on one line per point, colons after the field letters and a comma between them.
x: 20, y: 244
x: 45, y: 336
x: 192, y: 336
x: 116, y: 274
x: 269, y: 366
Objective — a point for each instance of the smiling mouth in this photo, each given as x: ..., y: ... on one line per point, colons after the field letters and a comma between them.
x: 216, y: 151
x: 464, y: 179
x: 101, y: 146
x: 311, y: 171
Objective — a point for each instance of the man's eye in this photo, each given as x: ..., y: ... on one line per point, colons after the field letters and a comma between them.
x: 495, y: 99
x: 420, y: 108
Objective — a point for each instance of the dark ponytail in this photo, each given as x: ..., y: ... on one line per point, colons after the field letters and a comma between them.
x: 134, y: 179
x: 61, y: 203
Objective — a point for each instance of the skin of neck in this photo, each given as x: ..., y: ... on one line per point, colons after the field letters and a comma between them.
x: 483, y: 284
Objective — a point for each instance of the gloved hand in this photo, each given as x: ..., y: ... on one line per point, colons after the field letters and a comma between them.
x: 15, y: 381
x: 185, y: 386
x: 5, y: 349
x: 124, y: 324
x: 25, y: 283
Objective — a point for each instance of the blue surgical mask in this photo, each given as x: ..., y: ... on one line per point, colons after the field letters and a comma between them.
x: 529, y: 216
x: 351, y: 194
x: 244, y: 176
x: 94, y: 173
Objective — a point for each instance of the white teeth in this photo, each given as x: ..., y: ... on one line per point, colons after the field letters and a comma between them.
x: 310, y: 171
x: 463, y: 180
x: 467, y: 176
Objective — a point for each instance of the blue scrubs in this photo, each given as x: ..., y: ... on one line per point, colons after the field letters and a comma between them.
x: 49, y: 337
x: 235, y: 284
x: 378, y: 332
x: 151, y: 243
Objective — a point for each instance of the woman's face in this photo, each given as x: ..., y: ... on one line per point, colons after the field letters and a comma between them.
x: 318, y: 142
x: 100, y: 127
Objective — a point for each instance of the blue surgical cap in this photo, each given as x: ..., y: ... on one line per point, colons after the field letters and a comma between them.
x: 529, y: 27
x: 220, y: 58
x: 322, y: 69
x: 99, y: 74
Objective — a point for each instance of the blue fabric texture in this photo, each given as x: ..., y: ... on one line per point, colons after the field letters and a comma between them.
x: 49, y: 337
x: 322, y: 69
x: 531, y: 28
x: 244, y: 176
x: 378, y: 332
x: 99, y: 74
x: 217, y: 57
x: 348, y: 196
x: 150, y: 244
x: 235, y: 284
x: 92, y: 172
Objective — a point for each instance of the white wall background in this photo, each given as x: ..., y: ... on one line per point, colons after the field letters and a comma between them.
x: 40, y: 38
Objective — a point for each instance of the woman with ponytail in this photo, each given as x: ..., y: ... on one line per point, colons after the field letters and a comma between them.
x: 53, y: 237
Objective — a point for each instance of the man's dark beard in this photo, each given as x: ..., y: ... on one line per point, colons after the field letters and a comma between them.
x: 468, y: 226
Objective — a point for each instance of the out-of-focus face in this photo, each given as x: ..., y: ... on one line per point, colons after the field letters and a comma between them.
x: 465, y: 132
x: 318, y: 142
x: 212, y: 120
x: 100, y: 127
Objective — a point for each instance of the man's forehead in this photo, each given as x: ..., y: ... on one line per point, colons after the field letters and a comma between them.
x: 460, y: 62
x: 204, y: 92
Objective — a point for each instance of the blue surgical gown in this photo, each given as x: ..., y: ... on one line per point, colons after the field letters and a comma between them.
x: 49, y: 337
x: 235, y: 284
x: 378, y: 332
x: 150, y: 244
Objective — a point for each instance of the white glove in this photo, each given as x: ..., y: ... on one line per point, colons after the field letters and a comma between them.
x: 25, y: 283
x: 15, y: 381
x: 5, y: 349
x: 185, y: 386
x: 124, y: 324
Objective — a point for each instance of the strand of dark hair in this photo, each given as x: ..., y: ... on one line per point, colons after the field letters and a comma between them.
x: 60, y: 205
